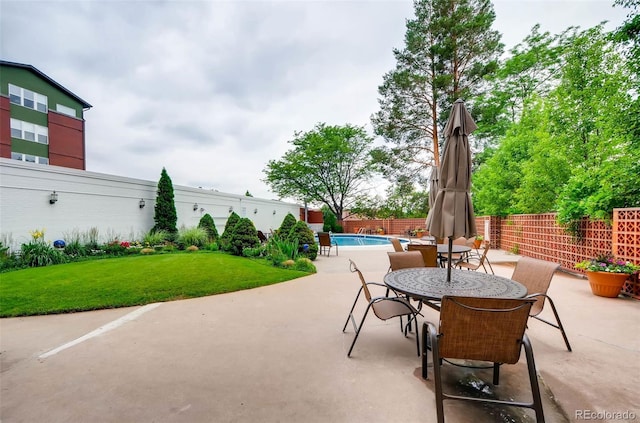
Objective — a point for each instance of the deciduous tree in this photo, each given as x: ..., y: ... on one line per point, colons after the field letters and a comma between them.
x: 330, y: 165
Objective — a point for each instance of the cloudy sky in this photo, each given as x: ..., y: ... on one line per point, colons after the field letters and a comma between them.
x: 212, y: 90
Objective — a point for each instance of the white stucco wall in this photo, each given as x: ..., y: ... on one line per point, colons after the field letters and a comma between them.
x: 110, y: 203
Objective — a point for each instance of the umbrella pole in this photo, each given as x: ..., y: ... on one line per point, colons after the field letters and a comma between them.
x: 449, y: 266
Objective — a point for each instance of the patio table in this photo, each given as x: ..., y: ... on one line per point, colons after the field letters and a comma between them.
x: 443, y: 252
x: 429, y: 284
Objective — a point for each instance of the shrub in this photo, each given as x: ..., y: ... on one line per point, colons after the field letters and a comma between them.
x: 192, y: 248
x: 147, y: 251
x: 253, y: 252
x: 305, y: 265
x: 75, y: 249
x: 212, y: 246
x: 168, y: 248
x: 155, y: 237
x: 114, y: 248
x: 307, y: 246
x: 192, y: 236
x: 288, y: 263
x: 244, y: 235
x: 90, y: 239
x: 286, y: 225
x: 279, y: 249
x: 38, y: 253
x: 224, y: 242
x: 8, y: 260
x: 207, y: 223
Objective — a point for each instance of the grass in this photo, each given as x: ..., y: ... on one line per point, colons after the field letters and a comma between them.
x: 132, y: 280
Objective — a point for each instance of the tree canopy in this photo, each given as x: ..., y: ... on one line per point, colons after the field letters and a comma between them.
x: 329, y: 165
x: 573, y: 149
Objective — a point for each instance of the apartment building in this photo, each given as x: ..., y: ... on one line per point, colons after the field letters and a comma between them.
x: 40, y: 120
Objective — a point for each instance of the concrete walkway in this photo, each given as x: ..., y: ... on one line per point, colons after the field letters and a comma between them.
x: 277, y: 354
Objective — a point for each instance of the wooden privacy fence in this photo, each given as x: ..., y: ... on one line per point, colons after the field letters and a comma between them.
x: 540, y: 236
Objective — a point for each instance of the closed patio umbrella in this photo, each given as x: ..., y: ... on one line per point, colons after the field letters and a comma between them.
x: 452, y: 213
x: 433, y: 185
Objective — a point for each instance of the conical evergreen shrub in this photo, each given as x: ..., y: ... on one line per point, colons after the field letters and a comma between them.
x: 286, y: 225
x: 225, y: 238
x: 244, y: 235
x: 207, y: 223
x: 304, y: 235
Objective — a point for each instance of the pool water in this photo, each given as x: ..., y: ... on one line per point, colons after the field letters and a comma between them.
x: 351, y: 240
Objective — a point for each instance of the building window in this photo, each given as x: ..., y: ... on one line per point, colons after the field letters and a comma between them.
x: 29, y: 158
x: 27, y: 98
x: 29, y: 131
x: 66, y: 110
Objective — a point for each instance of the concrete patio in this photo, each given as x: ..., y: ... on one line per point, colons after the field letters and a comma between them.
x: 277, y: 354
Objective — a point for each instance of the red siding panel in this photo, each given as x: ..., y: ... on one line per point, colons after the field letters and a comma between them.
x: 5, y: 127
x: 66, y: 141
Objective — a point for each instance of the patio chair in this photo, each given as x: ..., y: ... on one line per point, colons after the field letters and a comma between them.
x: 482, y: 329
x: 384, y: 308
x: 397, y: 246
x: 467, y: 263
x: 405, y: 259
x: 536, y: 275
x: 429, y: 253
x: 324, y: 238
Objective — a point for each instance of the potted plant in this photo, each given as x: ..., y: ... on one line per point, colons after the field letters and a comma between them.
x: 419, y: 232
x: 606, y: 274
x: 477, y: 243
x: 380, y: 231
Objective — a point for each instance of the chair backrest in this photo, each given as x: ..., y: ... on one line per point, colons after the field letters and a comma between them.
x: 354, y: 269
x: 405, y: 260
x: 429, y: 253
x: 483, y: 257
x: 485, y: 329
x: 460, y: 241
x: 397, y: 246
x: 325, y: 239
x: 536, y: 275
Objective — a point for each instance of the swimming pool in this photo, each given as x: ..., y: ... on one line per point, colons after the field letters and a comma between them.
x: 353, y: 240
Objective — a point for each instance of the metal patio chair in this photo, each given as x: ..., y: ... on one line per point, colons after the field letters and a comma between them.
x: 482, y: 329
x: 429, y: 253
x: 326, y: 243
x: 384, y: 308
x: 536, y: 275
x: 397, y: 246
x: 474, y: 263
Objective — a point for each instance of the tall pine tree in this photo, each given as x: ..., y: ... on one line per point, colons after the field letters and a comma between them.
x: 449, y: 49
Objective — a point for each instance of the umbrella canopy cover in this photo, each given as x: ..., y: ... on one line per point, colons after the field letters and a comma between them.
x: 433, y: 185
x: 451, y: 215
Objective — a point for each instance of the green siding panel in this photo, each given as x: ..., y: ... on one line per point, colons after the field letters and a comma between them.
x: 29, y: 147
x: 26, y: 79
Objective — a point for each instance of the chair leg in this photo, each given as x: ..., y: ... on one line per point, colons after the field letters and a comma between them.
x: 559, y: 325
x: 437, y: 375
x: 496, y: 373
x: 350, y: 315
x: 355, y: 338
x: 533, y: 378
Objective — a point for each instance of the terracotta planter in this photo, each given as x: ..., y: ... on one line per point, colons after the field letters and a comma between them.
x: 606, y: 284
x: 419, y: 234
x: 477, y: 243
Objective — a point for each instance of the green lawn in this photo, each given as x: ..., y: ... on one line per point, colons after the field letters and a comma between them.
x: 133, y: 280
